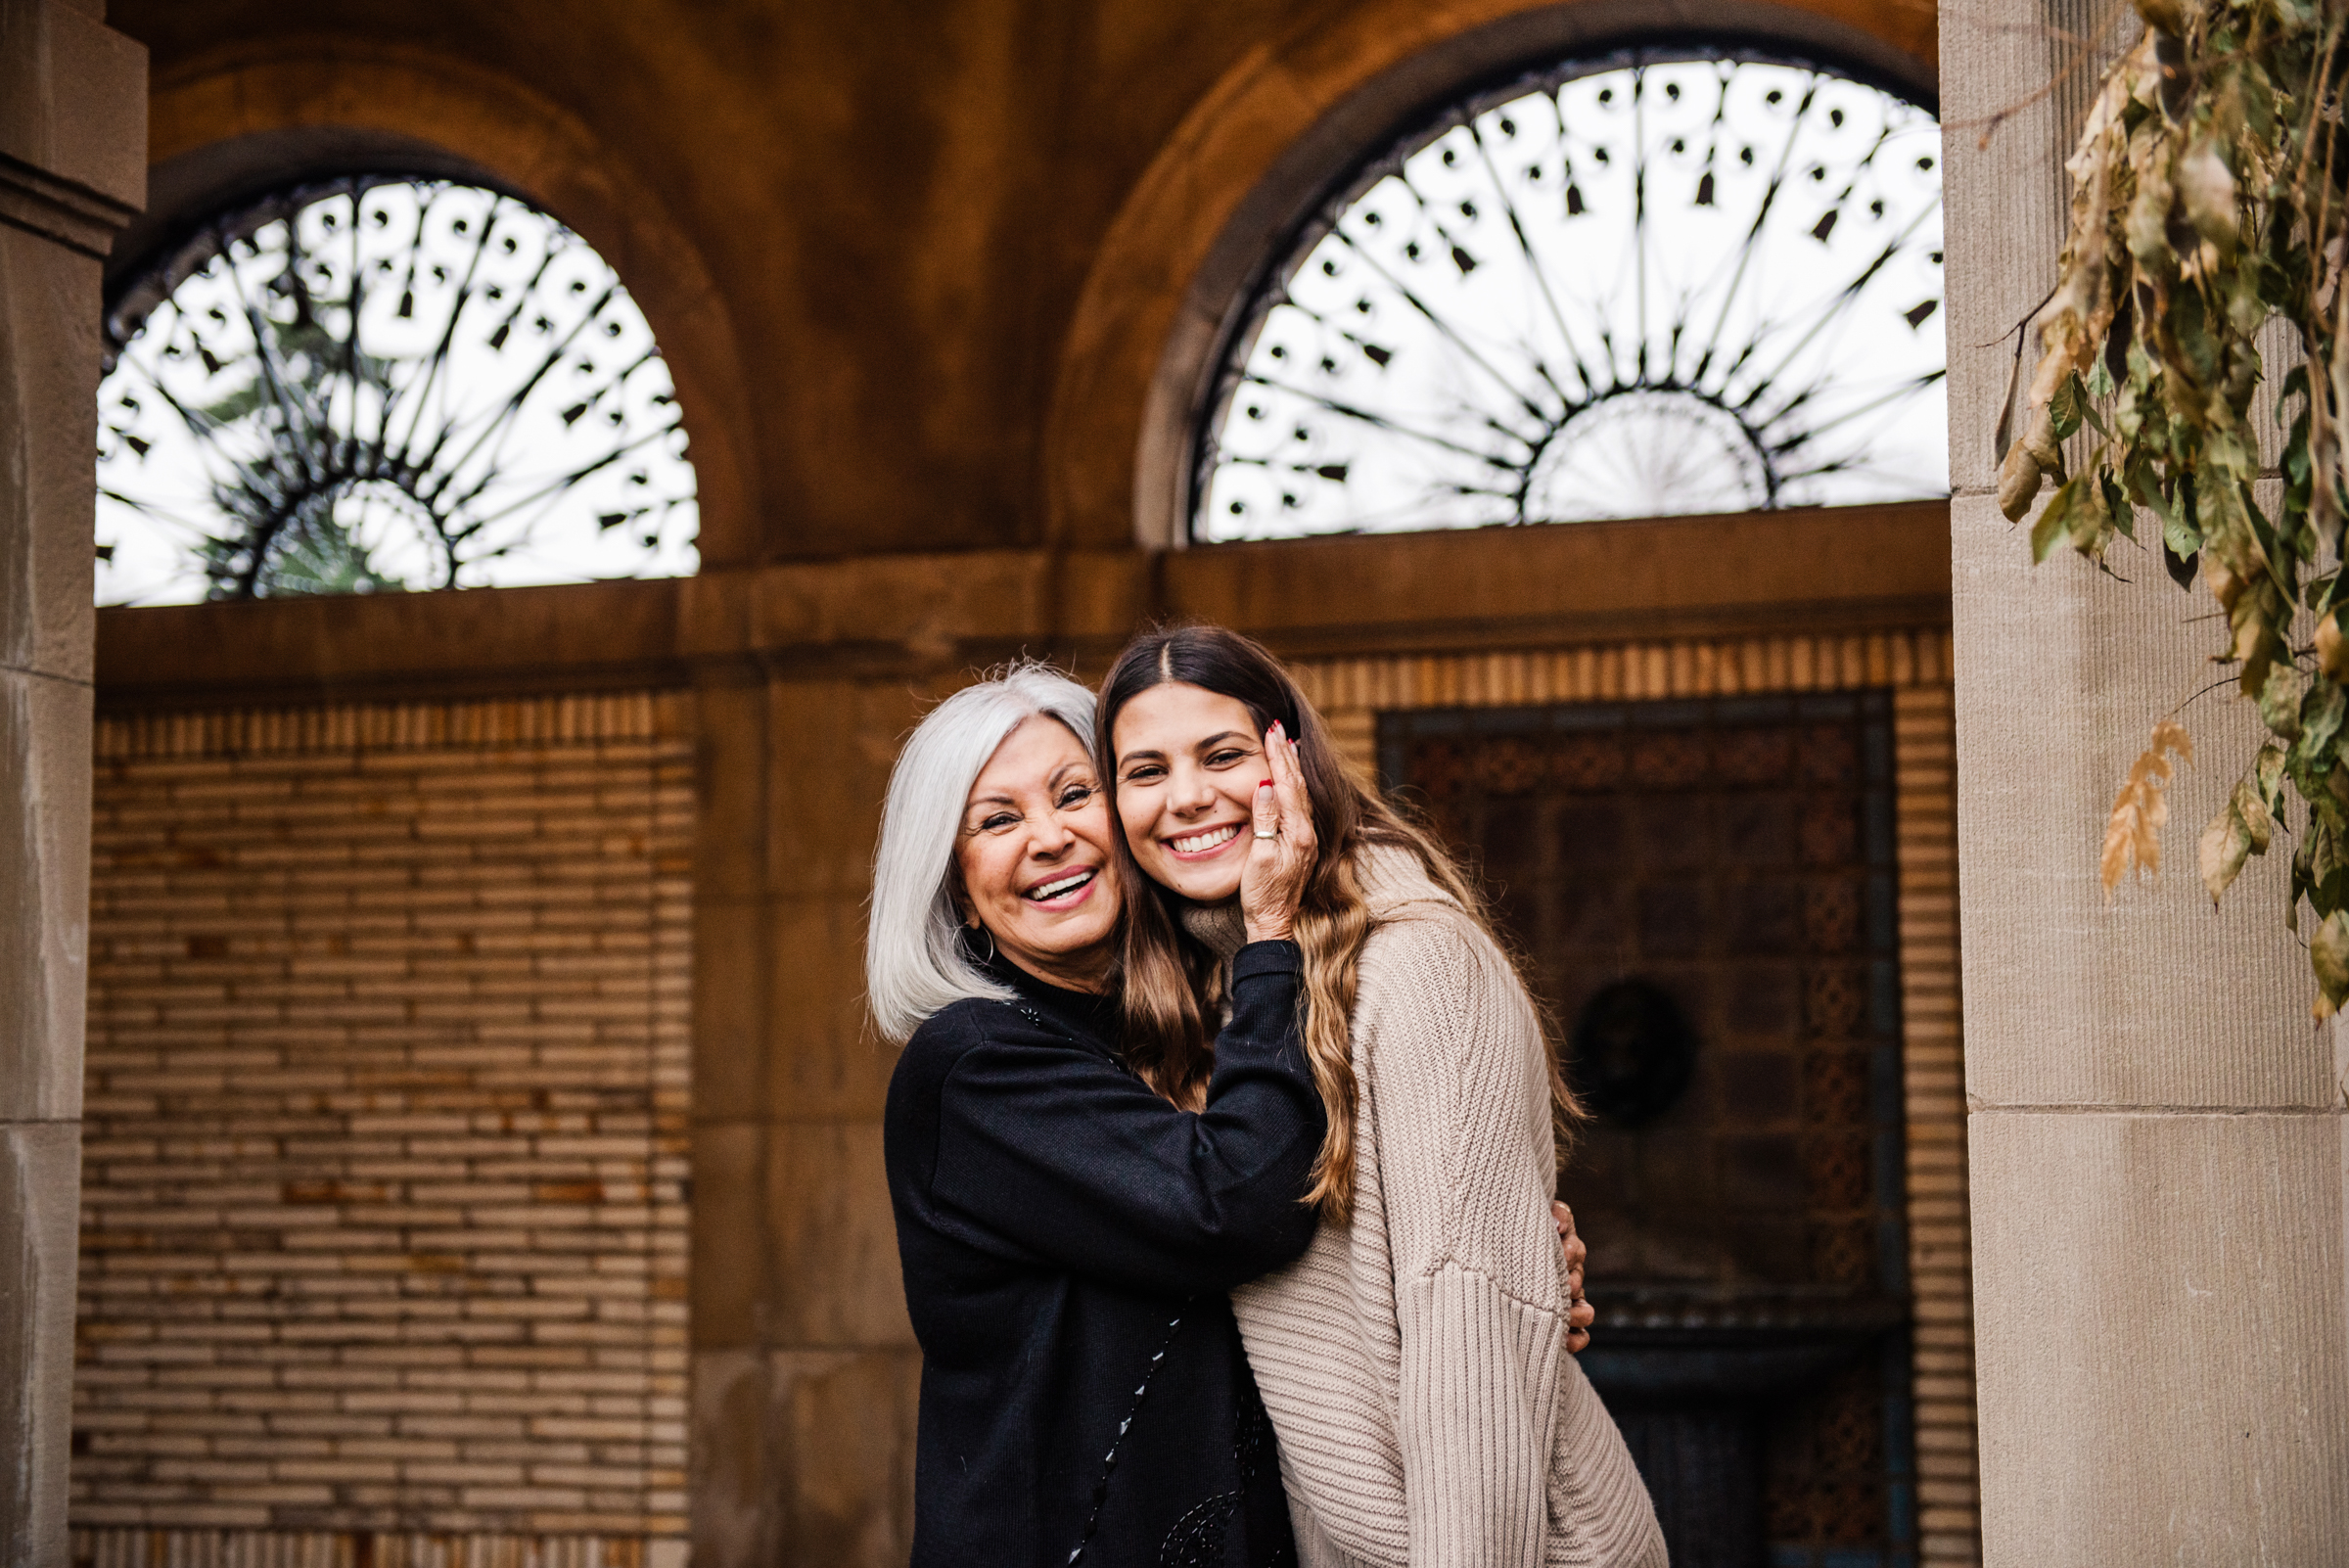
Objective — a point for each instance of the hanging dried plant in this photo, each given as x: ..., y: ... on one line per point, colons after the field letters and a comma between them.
x: 2132, y: 833
x: 2208, y: 198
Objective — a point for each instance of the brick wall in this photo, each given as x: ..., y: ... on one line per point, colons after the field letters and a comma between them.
x: 384, y: 1228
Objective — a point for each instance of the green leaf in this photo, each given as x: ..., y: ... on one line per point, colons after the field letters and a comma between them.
x: 2279, y: 701
x: 2279, y: 558
x: 2224, y: 453
x: 2252, y: 811
x: 2194, y: 341
x: 2298, y: 489
x: 2068, y: 406
x: 2225, y: 845
x: 2246, y: 311
x: 2091, y: 522
x: 2255, y: 99
x: 2181, y: 567
x: 2327, y: 878
x: 2328, y: 956
x: 2304, y: 875
x: 2181, y: 538
x: 2322, y: 711
x: 2268, y: 770
x: 2143, y: 483
x: 2116, y: 505
x: 2050, y: 530
x: 2099, y: 380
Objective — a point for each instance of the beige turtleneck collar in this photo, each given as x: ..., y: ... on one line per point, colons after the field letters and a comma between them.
x: 1220, y: 928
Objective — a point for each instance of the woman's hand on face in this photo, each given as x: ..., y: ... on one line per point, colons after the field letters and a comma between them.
x: 1579, y: 1314
x: 1281, y: 858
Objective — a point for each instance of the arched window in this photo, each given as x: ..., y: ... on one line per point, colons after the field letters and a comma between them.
x: 1665, y: 281
x: 375, y: 384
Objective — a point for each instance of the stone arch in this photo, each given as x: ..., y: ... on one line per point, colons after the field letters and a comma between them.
x: 1259, y: 150
x: 229, y: 125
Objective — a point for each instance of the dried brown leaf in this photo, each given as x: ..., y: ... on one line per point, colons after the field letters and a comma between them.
x: 2333, y: 649
x: 2073, y: 322
x: 2123, y: 831
x: 2170, y: 736
x: 2133, y: 831
x: 2018, y: 482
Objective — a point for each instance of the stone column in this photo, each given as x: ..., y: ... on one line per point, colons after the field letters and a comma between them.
x: 804, y: 1369
x: 72, y: 169
x: 2156, y: 1127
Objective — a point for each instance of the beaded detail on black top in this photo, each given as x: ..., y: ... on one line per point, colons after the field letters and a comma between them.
x: 1109, y: 1461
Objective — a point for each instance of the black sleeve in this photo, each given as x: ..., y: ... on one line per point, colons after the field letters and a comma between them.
x: 1054, y: 1149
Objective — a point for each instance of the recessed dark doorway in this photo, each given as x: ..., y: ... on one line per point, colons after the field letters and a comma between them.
x: 1704, y: 893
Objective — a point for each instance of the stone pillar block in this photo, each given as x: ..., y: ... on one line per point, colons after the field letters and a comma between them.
x: 2163, y: 1345
x: 72, y: 169
x: 40, y: 1192
x: 2156, y: 1129
x: 44, y: 892
x: 805, y: 1371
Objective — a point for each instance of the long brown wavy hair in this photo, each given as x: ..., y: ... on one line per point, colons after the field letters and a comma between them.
x: 1170, y: 985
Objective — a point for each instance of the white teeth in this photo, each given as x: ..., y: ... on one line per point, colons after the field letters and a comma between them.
x: 1206, y: 841
x: 1053, y: 890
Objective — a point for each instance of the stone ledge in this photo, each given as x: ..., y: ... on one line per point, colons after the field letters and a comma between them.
x: 57, y: 211
x: 1857, y: 568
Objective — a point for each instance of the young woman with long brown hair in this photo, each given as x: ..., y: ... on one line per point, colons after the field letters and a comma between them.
x: 1414, y: 1361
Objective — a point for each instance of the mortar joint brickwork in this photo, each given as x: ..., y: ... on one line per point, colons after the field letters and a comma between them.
x: 383, y: 1208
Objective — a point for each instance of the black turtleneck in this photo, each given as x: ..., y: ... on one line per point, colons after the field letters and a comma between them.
x: 1068, y: 1237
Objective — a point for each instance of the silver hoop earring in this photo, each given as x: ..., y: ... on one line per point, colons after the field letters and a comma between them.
x: 991, y: 943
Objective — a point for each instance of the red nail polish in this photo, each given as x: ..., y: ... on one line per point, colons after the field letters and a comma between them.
x: 1263, y: 783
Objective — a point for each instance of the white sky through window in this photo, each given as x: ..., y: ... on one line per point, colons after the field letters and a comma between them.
x: 1663, y: 287
x: 372, y: 386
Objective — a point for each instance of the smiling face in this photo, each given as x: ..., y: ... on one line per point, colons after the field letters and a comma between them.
x: 1033, y: 857
x: 1188, y: 760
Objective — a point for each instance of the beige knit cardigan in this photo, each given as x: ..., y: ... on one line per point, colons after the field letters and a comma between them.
x: 1414, y: 1359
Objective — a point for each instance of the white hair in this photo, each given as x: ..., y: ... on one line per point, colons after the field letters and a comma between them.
x: 913, y: 959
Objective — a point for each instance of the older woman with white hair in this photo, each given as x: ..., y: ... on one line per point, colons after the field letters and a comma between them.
x: 1067, y: 1232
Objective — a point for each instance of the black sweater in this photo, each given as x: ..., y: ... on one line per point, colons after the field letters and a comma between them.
x: 1068, y: 1237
